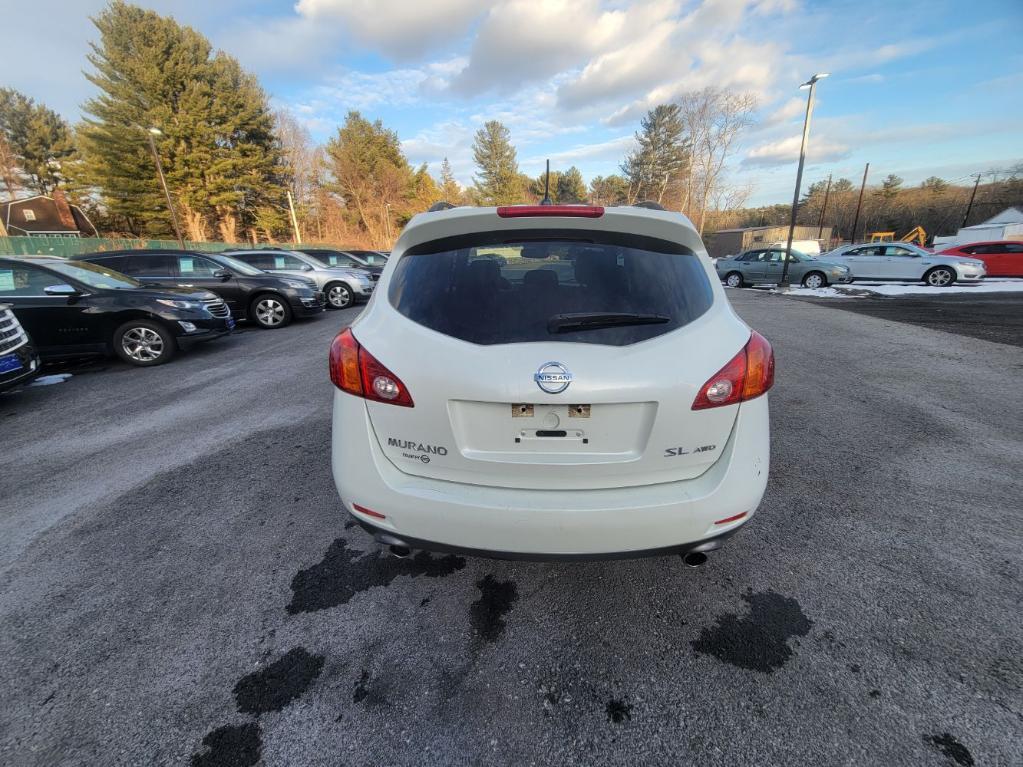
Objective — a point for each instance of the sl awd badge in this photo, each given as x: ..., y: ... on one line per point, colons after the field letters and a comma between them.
x: 552, y: 377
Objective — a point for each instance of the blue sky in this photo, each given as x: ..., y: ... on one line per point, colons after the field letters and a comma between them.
x: 917, y: 88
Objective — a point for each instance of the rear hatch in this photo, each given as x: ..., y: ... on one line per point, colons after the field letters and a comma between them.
x: 552, y: 359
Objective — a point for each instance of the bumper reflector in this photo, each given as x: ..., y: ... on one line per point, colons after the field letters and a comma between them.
x: 368, y: 512
x: 724, y: 521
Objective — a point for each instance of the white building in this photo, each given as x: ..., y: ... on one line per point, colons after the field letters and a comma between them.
x: 1007, y: 225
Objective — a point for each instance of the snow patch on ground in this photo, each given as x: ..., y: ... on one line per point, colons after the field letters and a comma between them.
x: 51, y: 380
x: 862, y: 289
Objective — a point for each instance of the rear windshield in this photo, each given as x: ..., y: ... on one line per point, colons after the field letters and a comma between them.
x: 599, y: 288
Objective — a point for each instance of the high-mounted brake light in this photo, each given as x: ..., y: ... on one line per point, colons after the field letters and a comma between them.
x: 354, y: 370
x: 529, y: 211
x: 747, y: 375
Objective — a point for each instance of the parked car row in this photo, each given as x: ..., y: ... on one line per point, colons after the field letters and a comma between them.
x: 901, y: 261
x: 144, y: 305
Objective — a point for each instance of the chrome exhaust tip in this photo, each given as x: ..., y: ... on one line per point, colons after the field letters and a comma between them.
x: 694, y: 559
x: 400, y: 552
x: 395, y: 545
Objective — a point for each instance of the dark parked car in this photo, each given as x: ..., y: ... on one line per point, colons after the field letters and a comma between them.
x: 269, y: 301
x: 19, y: 360
x: 74, y: 308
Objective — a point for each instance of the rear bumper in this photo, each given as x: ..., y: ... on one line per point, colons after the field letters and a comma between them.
x: 550, y: 524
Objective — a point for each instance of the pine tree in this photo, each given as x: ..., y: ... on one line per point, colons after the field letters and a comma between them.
x: 571, y: 187
x: 609, y: 190
x: 373, y: 176
x: 34, y: 141
x: 498, y: 180
x: 449, y: 188
x: 658, y: 166
x: 221, y: 157
x: 537, y: 186
x: 890, y: 187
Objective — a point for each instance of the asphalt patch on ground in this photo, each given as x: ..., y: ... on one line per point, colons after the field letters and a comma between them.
x: 618, y: 710
x: 990, y: 317
x: 759, y: 641
x: 487, y: 613
x: 952, y: 748
x: 234, y: 745
x: 345, y: 572
x: 274, y: 687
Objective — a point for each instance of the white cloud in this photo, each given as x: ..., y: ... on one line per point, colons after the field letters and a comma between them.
x: 786, y: 150
x: 523, y: 41
x: 401, y: 29
x: 614, y: 149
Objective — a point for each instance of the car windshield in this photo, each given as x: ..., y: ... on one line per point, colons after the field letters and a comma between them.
x: 587, y: 287
x: 94, y: 275
x: 239, y: 266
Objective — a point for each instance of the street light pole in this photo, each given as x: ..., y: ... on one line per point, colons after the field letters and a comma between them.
x: 812, y: 85
x: 150, y: 133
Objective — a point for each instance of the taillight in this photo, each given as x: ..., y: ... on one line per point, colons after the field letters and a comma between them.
x: 747, y: 375
x: 529, y: 211
x: 354, y: 370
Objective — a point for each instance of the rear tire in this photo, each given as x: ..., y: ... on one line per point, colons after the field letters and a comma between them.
x: 270, y: 311
x: 144, y: 343
x: 814, y: 280
x: 734, y: 280
x: 339, y: 295
x: 940, y: 277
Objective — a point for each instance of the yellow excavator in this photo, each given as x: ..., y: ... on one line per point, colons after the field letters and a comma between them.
x: 917, y: 234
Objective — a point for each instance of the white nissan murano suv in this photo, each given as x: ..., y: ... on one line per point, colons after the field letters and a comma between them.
x: 549, y: 382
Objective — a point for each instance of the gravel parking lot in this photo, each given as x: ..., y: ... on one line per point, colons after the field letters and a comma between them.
x: 179, y: 585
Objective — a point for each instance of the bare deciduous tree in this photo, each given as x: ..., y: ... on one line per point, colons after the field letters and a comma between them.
x: 714, y: 119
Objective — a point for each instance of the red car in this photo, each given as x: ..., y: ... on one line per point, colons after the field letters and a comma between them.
x: 1003, y: 258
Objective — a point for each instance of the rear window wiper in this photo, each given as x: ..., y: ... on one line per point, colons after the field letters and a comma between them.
x: 569, y: 323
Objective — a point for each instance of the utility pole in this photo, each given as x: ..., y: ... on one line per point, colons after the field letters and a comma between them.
x: 294, y: 219
x: 163, y: 182
x: 824, y: 207
x: 859, y: 204
x: 387, y: 221
x: 812, y: 85
x: 973, y: 194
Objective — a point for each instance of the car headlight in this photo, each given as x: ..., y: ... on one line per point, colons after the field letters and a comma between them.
x: 179, y: 304
x: 298, y: 284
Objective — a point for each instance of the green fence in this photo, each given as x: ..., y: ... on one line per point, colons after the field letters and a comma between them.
x: 69, y: 246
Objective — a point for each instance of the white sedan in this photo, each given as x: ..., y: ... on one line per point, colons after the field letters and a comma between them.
x: 906, y: 262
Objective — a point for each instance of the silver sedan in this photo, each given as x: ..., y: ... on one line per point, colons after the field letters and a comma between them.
x: 906, y: 261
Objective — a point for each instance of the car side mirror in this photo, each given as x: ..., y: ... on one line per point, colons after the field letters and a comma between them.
x: 306, y: 268
x: 63, y: 289
x: 222, y: 274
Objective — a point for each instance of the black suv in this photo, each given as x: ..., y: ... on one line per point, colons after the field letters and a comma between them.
x: 74, y: 308
x: 269, y: 301
x: 19, y: 360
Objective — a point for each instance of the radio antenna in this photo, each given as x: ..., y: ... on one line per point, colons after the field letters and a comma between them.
x: 547, y: 186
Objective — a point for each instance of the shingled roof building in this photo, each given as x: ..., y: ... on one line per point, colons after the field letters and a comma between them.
x: 42, y: 216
